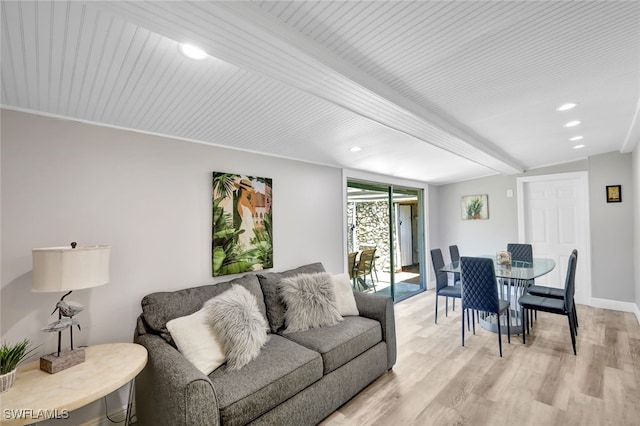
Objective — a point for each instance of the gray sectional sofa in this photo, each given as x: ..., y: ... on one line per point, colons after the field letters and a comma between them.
x: 298, y: 378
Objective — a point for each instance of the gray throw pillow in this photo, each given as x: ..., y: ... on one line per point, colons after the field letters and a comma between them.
x: 310, y: 302
x: 236, y: 319
x: 269, y: 282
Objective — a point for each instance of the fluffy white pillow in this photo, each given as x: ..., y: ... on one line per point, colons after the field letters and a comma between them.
x: 345, y: 301
x: 310, y: 302
x: 197, y: 341
x: 237, y: 320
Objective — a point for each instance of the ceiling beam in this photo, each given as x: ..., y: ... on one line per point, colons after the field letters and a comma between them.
x: 243, y: 35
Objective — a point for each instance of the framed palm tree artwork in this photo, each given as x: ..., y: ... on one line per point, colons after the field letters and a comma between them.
x: 242, y: 230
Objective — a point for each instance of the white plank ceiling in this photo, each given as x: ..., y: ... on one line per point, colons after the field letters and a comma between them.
x: 435, y: 91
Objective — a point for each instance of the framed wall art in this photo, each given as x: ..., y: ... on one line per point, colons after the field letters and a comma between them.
x: 474, y: 207
x: 614, y: 193
x: 242, y: 227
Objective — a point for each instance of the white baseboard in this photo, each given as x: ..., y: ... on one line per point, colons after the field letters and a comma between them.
x: 616, y: 305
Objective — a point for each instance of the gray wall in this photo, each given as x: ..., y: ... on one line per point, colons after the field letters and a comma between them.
x: 609, y: 244
x: 612, y: 270
x: 150, y: 199
x: 636, y: 222
x: 477, y: 236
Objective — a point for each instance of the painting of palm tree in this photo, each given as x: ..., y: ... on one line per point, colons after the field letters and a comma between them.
x: 242, y: 231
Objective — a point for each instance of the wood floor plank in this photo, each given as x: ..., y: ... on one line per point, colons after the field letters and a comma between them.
x: 436, y: 381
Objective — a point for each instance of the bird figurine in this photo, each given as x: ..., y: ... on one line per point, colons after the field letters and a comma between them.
x: 65, y: 320
x: 61, y: 324
x: 67, y: 310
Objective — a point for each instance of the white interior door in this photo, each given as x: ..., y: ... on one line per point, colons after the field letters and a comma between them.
x: 406, y: 237
x: 553, y: 217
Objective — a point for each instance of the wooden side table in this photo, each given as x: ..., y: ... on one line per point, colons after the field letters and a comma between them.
x: 37, y: 395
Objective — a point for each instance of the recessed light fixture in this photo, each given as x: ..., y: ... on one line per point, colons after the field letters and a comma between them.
x: 578, y: 147
x: 576, y: 138
x: 566, y: 107
x: 355, y: 149
x: 192, y: 52
x: 572, y: 123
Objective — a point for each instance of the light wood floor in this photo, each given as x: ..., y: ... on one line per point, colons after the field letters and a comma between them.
x: 438, y: 382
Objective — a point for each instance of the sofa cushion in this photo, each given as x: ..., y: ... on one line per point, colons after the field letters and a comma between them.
x: 282, y: 369
x: 310, y: 302
x: 161, y: 307
x: 340, y: 343
x: 269, y: 283
x: 236, y: 319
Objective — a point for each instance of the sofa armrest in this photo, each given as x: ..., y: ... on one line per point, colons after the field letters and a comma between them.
x: 170, y: 390
x: 380, y: 308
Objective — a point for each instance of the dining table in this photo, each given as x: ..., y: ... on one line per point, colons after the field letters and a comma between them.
x: 512, y: 281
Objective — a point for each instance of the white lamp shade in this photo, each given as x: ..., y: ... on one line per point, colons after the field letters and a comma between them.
x: 66, y: 269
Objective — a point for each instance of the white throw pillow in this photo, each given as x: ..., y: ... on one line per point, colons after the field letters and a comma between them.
x: 345, y: 300
x: 197, y: 341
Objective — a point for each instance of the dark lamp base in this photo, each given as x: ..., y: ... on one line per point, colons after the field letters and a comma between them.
x: 53, y: 363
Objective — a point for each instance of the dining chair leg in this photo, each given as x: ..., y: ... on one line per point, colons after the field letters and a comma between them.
x: 468, y: 323
x: 463, y: 325
x: 446, y: 306
x: 499, y: 336
x: 508, y: 325
x: 473, y: 320
x: 454, y: 304
x: 523, y: 315
x: 572, y: 330
x: 436, y: 315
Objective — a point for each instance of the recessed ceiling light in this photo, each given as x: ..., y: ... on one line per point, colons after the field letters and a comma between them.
x: 355, y: 149
x: 572, y: 123
x: 566, y: 107
x: 576, y: 138
x: 578, y: 147
x: 192, y: 52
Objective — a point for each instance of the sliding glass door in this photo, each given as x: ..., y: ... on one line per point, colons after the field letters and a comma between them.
x: 384, y: 240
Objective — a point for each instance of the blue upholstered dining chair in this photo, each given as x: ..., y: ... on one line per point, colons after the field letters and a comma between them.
x: 520, y: 253
x: 442, y: 282
x: 564, y: 306
x: 555, y: 293
x: 455, y: 256
x: 480, y: 292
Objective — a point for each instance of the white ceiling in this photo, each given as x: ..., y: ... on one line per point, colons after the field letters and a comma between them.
x: 436, y: 91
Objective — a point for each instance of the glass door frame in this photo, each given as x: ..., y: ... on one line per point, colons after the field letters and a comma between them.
x: 390, y: 190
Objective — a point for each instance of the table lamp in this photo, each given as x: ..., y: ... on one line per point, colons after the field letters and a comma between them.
x: 67, y: 269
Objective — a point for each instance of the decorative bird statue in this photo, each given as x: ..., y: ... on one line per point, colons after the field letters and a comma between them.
x: 62, y: 324
x: 67, y: 310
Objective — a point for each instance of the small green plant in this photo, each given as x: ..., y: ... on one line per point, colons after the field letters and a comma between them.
x: 12, y: 355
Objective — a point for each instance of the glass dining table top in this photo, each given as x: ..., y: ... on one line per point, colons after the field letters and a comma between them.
x: 517, y: 270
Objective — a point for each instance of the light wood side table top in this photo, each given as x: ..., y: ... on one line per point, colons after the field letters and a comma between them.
x: 36, y: 395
